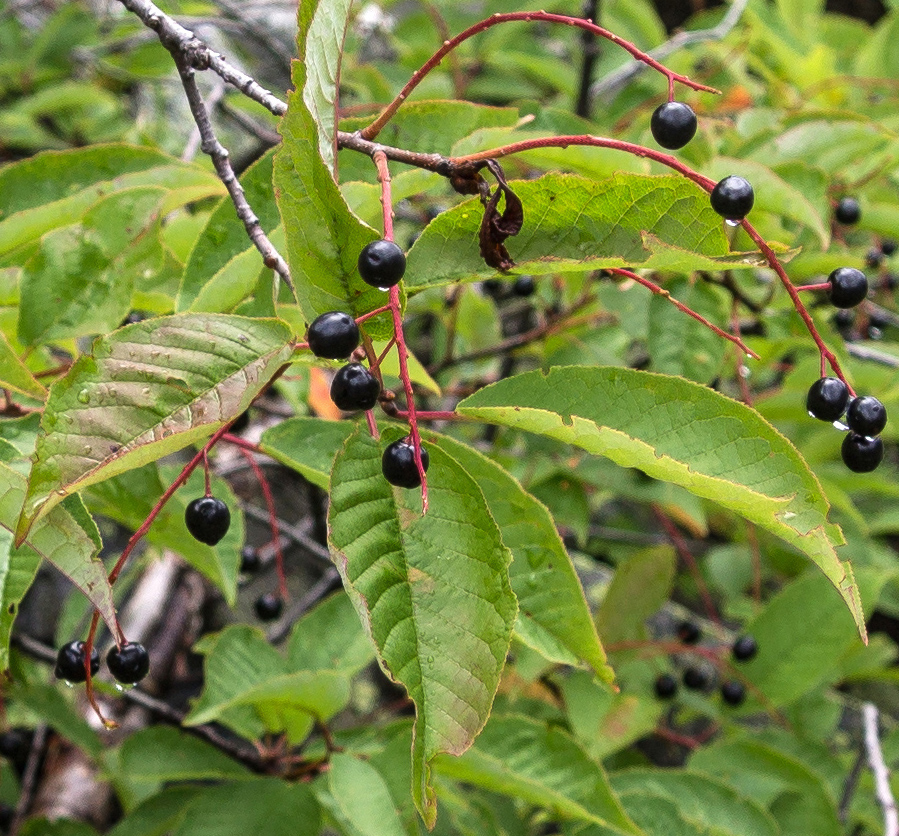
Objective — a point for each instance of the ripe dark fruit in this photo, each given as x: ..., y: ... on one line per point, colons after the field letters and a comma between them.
x: 398, y: 464
x: 733, y: 692
x: 673, y: 125
x: 696, y: 679
x: 688, y: 632
x: 888, y: 246
x: 848, y: 287
x: 207, y: 519
x: 745, y: 648
x: 128, y: 664
x: 873, y: 258
x: 334, y: 335
x: 732, y: 198
x: 70, y: 662
x: 523, y: 286
x: 848, y: 211
x: 866, y: 416
x: 666, y: 686
x: 827, y: 399
x: 249, y: 560
x: 382, y: 264
x: 861, y: 454
x: 269, y: 606
x: 355, y: 387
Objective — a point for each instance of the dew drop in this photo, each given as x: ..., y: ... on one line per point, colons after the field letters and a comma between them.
x: 430, y: 660
x: 811, y: 414
x: 146, y: 390
x: 84, y: 396
x: 729, y: 222
x: 385, y: 289
x: 68, y: 684
x: 841, y: 426
x: 121, y: 686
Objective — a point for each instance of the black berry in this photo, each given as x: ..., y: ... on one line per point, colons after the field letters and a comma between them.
x: 827, y: 399
x: 129, y: 663
x: 249, y: 560
x: 523, y: 286
x: 866, y: 416
x: 493, y: 288
x: 673, y: 125
x: 398, y: 464
x: 382, y: 264
x: 70, y: 662
x: 696, y: 679
x: 848, y: 287
x: 207, y: 519
x: 355, y: 387
x: 848, y: 211
x: 888, y: 246
x: 732, y: 198
x: 269, y: 606
x: 861, y: 453
x: 334, y: 335
x: 873, y: 258
x: 733, y: 692
x: 666, y: 686
x: 688, y: 632
x: 745, y: 648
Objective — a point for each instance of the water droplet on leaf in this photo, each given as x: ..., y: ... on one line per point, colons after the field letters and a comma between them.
x: 84, y: 396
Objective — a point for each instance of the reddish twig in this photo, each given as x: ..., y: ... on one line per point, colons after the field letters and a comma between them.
x: 386, y: 115
x: 660, y: 291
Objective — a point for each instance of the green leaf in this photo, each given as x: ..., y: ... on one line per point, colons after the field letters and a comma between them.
x: 330, y: 637
x: 543, y: 765
x: 18, y: 568
x: 308, y: 445
x: 60, y: 714
x: 362, y: 797
x: 88, y: 269
x: 157, y: 815
x: 324, y: 238
x: 14, y: 374
x: 433, y: 591
x: 683, y: 433
x: 575, y: 224
x: 56, y: 188
x: 146, y: 391
x: 553, y: 616
x: 60, y: 827
x: 66, y: 536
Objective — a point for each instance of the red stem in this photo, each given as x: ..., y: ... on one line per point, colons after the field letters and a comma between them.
x: 818, y: 286
x: 659, y: 291
x: 448, y: 46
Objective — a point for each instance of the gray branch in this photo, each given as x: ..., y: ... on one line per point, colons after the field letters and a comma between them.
x: 881, y: 773
x: 610, y: 85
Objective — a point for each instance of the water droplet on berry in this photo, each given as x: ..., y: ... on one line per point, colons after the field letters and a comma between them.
x: 68, y: 684
x: 732, y: 223
x: 841, y: 426
x: 385, y: 289
x: 84, y: 396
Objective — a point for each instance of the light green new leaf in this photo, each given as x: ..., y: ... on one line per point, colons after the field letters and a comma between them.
x: 148, y: 390
x: 324, y: 238
x: 14, y: 374
x: 541, y: 764
x: 433, y: 591
x: 66, y: 536
x: 575, y: 224
x: 679, y: 432
x: 553, y: 616
x: 362, y: 797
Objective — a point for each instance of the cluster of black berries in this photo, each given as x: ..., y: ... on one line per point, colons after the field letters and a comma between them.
x: 828, y: 400
x: 733, y: 692
x: 129, y: 663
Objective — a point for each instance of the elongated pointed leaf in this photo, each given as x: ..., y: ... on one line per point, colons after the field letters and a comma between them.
x: 552, y: 612
x: 146, y: 391
x: 543, y: 765
x: 433, y: 591
x: 17, y: 570
x: 684, y: 433
x: 67, y: 537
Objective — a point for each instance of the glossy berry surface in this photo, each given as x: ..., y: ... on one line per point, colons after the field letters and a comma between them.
x: 128, y: 664
x: 523, y: 286
x: 355, y: 387
x: 382, y: 264
x: 861, y: 453
x: 866, y: 416
x: 827, y: 399
x: 249, y: 560
x: 398, y: 464
x: 334, y: 335
x: 888, y: 246
x: 688, y: 632
x: 269, y: 606
x: 848, y: 211
x: 745, y: 648
x: 873, y: 258
x: 207, y: 519
x: 848, y: 287
x: 696, y: 679
x: 733, y: 692
x: 732, y: 198
x: 665, y: 686
x: 70, y: 662
x: 673, y: 125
